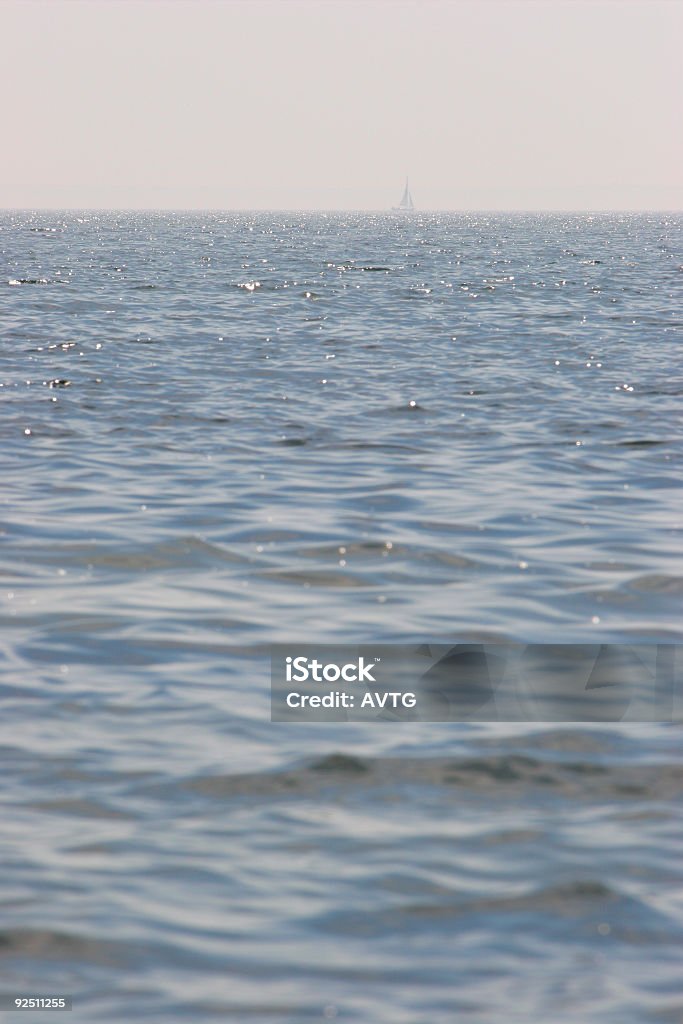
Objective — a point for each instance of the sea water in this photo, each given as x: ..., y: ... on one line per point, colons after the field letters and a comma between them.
x: 221, y: 431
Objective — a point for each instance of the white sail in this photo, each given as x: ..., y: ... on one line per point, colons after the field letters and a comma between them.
x: 406, y: 203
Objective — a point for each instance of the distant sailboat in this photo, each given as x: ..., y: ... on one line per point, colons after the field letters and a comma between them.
x: 406, y: 205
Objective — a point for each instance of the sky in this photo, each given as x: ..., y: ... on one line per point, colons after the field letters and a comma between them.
x: 329, y: 104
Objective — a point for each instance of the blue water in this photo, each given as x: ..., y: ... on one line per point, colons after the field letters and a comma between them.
x: 224, y: 430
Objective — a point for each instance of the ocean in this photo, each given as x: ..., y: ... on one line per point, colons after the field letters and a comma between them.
x: 226, y: 430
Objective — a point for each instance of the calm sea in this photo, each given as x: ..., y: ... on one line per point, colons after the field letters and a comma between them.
x: 221, y: 431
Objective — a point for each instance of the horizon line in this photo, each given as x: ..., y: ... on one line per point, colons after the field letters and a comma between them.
x: 308, y: 209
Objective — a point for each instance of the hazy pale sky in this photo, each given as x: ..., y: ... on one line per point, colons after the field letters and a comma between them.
x: 493, y: 104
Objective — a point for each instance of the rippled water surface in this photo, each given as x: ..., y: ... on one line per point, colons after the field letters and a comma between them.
x: 220, y: 431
